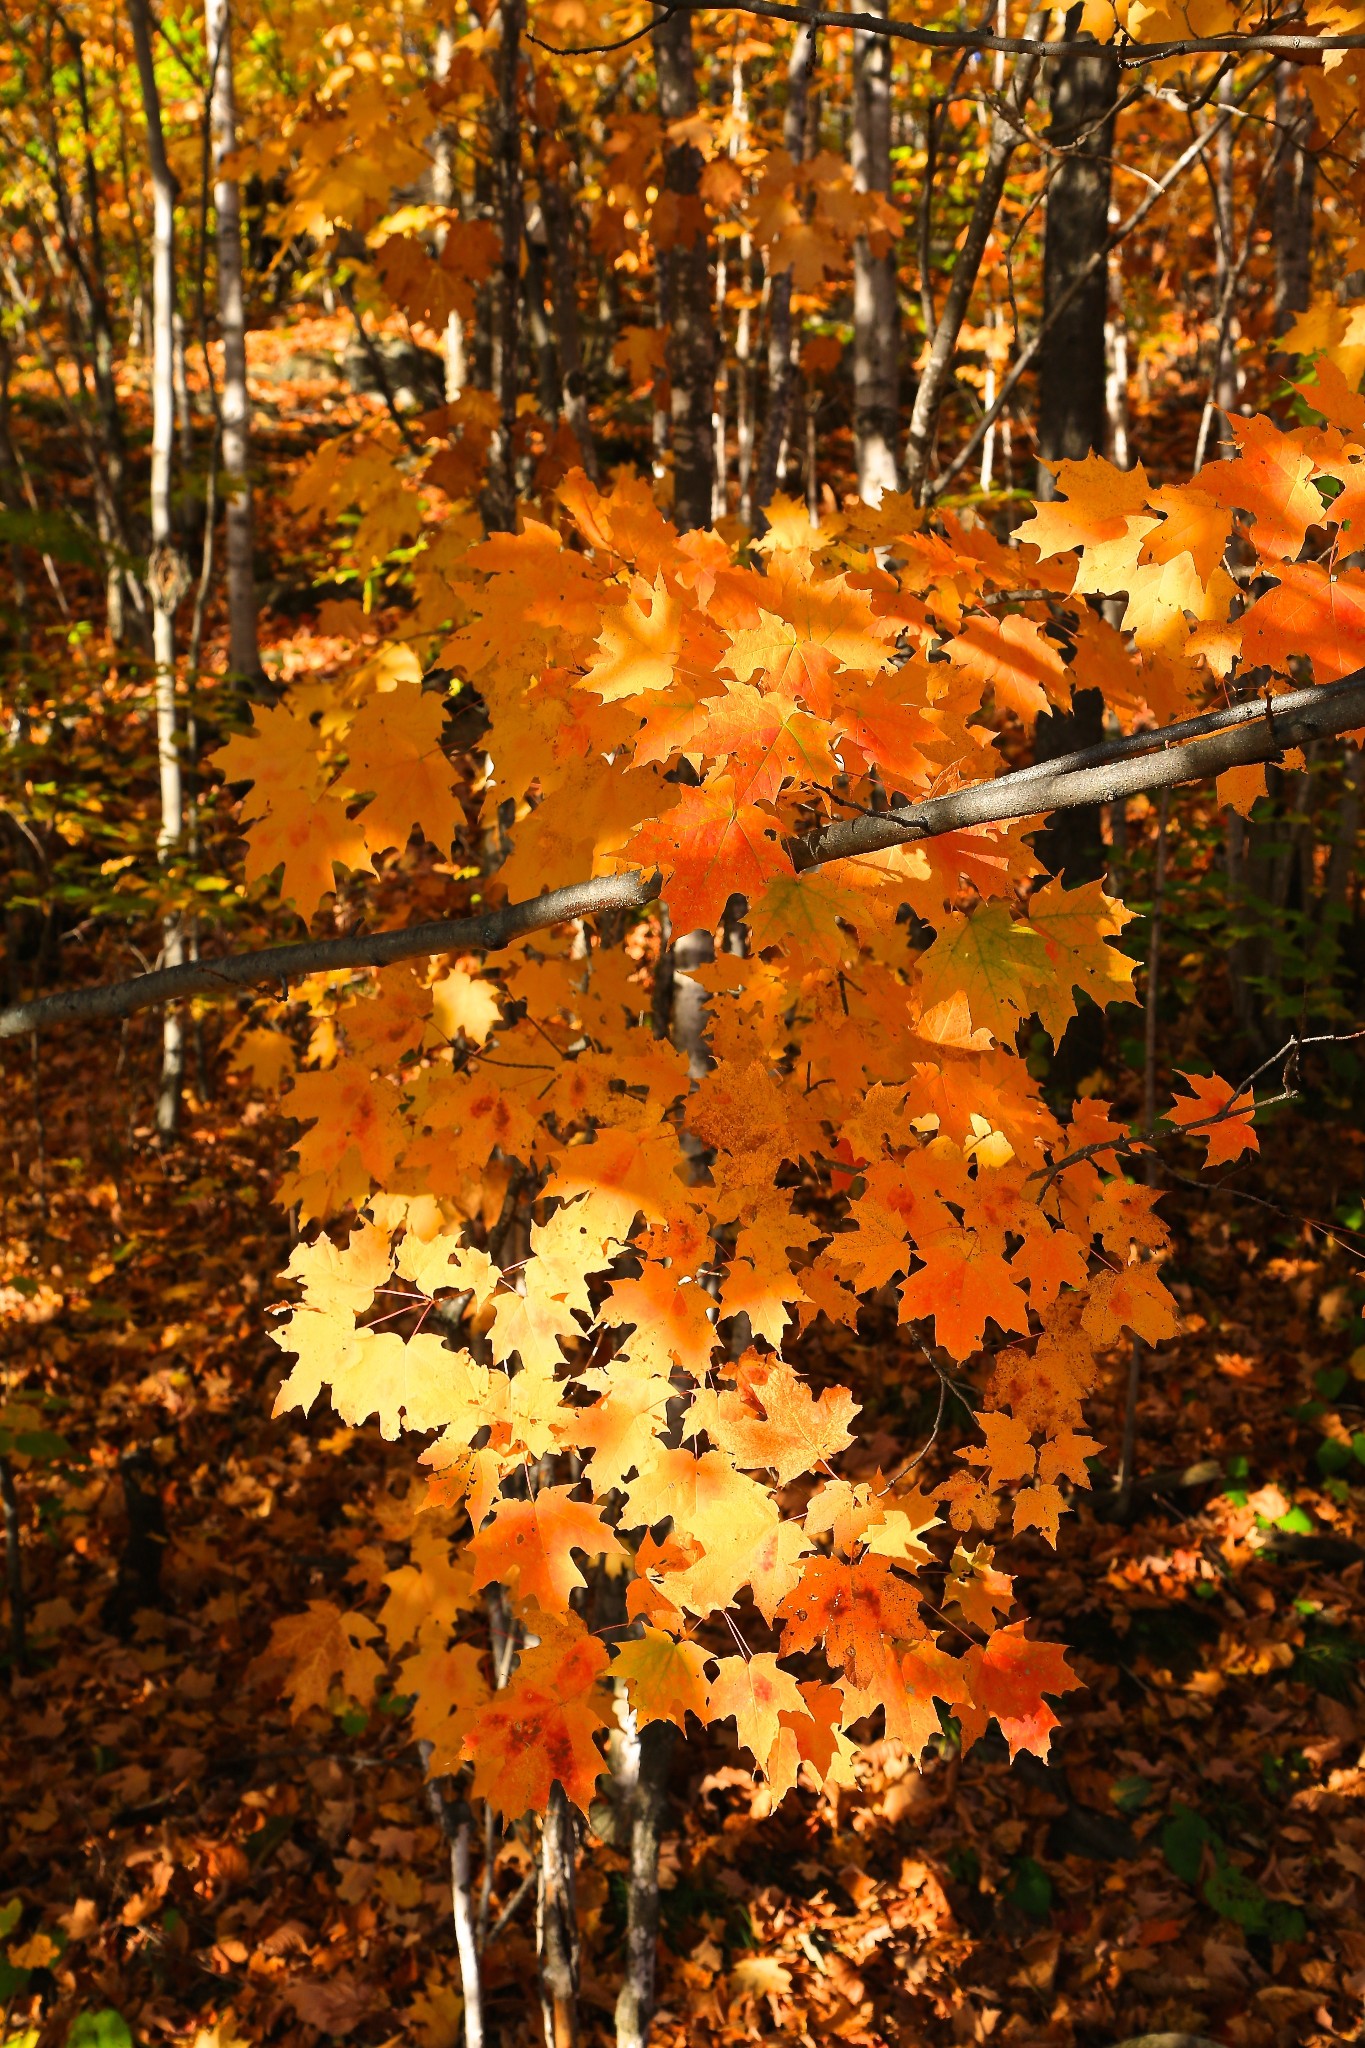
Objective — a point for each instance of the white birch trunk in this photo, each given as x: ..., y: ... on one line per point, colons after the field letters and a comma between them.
x: 166, y: 575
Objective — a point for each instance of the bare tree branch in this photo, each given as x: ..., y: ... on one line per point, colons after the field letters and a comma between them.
x: 1098, y: 775
x: 1081, y: 276
x: 1280, y: 40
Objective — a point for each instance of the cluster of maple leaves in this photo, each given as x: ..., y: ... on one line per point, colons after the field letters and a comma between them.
x: 865, y: 1120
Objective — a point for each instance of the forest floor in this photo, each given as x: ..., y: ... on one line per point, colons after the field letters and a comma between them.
x: 176, y: 1850
x: 180, y: 1852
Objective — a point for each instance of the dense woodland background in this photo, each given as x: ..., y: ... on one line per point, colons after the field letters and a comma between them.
x: 296, y: 304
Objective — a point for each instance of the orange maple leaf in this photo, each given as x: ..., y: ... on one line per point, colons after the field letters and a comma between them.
x: 1210, y: 1097
x: 530, y: 1541
x: 306, y: 834
x: 961, y: 1284
x: 1272, y: 480
x: 772, y: 1420
x: 540, y: 1730
x: 1131, y: 1299
x: 757, y: 1691
x: 665, y: 1677
x: 857, y: 1609
x: 1308, y: 612
x: 709, y: 847
x: 640, y: 647
x: 1010, y: 657
x: 395, y: 753
x: 1008, y: 1678
x: 1007, y: 1453
x: 317, y: 1646
x: 1095, y: 503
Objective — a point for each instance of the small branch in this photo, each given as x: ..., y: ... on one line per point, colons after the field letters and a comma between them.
x: 510, y: 1910
x: 374, y: 356
x: 1127, y: 53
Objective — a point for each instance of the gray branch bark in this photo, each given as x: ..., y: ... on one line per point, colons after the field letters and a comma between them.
x: 1192, y: 751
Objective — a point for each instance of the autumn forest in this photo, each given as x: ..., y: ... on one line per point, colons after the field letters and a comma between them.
x: 682, y: 1285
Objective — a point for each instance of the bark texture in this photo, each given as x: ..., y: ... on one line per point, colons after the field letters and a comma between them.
x: 1295, y: 177
x: 560, y: 225
x: 876, y: 318
x: 244, y: 658
x: 781, y: 368
x: 500, y: 496
x: 1072, y: 414
x: 686, y: 276
x: 635, y: 2002
x: 557, y: 1924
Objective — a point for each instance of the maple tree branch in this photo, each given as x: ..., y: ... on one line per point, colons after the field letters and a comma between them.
x: 1287, y: 1057
x: 1030, y: 792
x: 1283, y: 44
x: 1098, y: 775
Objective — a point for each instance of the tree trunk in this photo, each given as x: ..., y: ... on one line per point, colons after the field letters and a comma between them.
x: 443, y: 191
x: 559, y: 220
x: 1295, y: 172
x: 453, y: 1817
x: 534, y: 295
x: 876, y: 322
x: 557, y: 1924
x: 1072, y: 413
x: 501, y: 495
x: 781, y: 368
x: 938, y: 368
x: 691, y: 334
x: 167, y: 576
x: 1224, y: 395
x: 244, y: 659
x: 1116, y: 364
x: 1073, y: 422
x: 653, y: 1747
x: 110, y: 510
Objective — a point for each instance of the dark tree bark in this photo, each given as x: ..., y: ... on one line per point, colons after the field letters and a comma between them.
x: 688, y: 294
x: 244, y: 655
x: 144, y: 1544
x: 560, y: 224
x: 1071, y: 375
x: 1073, y: 422
x: 500, y: 496
x: 1295, y: 174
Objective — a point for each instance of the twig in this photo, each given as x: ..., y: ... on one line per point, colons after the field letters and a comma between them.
x: 1126, y: 52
